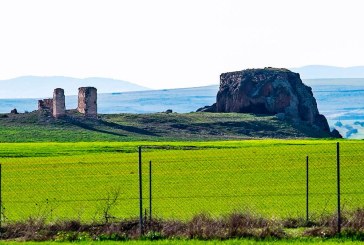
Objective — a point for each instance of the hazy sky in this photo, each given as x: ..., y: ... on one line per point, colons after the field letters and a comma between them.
x: 167, y: 43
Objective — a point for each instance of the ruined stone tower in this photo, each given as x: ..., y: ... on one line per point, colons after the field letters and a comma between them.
x: 45, y: 104
x: 87, y: 101
x: 59, y: 107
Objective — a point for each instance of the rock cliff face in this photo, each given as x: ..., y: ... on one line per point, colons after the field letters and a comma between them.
x: 268, y: 91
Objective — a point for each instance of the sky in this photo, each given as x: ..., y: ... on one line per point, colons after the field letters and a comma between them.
x: 172, y: 43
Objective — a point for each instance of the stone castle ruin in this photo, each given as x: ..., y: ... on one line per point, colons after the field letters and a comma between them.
x: 46, y: 104
x: 87, y: 103
x: 59, y: 103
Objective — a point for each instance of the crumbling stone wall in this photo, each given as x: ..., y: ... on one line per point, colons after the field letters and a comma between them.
x: 87, y: 101
x: 59, y: 105
x: 46, y: 104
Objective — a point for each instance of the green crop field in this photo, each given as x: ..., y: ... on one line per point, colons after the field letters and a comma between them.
x: 80, y: 180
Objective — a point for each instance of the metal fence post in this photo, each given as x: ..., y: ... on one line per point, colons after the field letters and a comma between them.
x: 338, y: 188
x: 140, y: 192
x: 150, y: 191
x: 307, y: 186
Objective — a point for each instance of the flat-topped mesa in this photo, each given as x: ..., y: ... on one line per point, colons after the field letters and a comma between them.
x: 59, y: 103
x: 268, y: 91
x: 87, y: 101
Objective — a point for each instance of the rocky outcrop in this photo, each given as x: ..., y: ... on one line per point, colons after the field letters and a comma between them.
x: 336, y: 134
x: 14, y: 111
x: 268, y: 91
x: 207, y: 108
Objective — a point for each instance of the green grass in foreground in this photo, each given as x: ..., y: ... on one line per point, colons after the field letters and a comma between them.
x: 78, y: 180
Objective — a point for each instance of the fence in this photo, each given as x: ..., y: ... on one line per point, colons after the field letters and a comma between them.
x: 180, y: 180
x: 70, y: 187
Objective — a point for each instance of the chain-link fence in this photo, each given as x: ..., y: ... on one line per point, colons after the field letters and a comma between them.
x: 90, y: 187
x: 261, y: 178
x: 272, y: 178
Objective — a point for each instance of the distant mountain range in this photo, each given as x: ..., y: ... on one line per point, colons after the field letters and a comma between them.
x: 42, y: 87
x: 320, y: 71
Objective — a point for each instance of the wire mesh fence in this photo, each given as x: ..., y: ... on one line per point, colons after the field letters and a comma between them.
x: 180, y: 180
x: 352, y: 175
x: 263, y: 179
x: 90, y: 187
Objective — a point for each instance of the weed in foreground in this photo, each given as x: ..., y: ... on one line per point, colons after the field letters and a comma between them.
x: 201, y: 227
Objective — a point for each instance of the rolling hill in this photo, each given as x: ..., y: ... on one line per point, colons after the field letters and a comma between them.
x: 39, y: 87
x: 38, y: 127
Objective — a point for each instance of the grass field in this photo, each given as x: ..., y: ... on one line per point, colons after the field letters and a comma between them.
x: 38, y: 127
x: 79, y: 180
